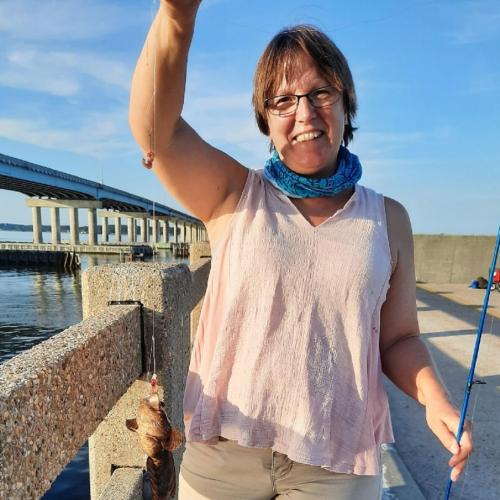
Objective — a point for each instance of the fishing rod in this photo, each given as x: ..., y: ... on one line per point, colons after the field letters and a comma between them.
x: 470, y: 378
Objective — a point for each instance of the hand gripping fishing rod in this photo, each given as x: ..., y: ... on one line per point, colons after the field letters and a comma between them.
x: 470, y: 378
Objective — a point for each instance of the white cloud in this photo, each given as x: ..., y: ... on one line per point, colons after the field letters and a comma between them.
x: 62, y: 19
x: 41, y: 82
x: 60, y: 72
x: 100, y: 135
x: 478, y: 21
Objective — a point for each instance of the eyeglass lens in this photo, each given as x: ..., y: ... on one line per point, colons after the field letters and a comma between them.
x: 285, y: 105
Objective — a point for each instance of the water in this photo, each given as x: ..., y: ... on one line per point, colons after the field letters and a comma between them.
x: 35, y: 305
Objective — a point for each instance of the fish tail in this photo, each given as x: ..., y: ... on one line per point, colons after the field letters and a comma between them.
x: 161, y: 472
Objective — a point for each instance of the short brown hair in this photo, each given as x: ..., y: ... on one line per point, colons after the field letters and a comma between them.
x: 279, y: 61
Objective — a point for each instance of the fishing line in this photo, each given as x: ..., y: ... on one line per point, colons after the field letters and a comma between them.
x: 466, y: 471
x: 153, y: 339
x: 148, y: 163
x: 478, y: 393
x: 470, y: 377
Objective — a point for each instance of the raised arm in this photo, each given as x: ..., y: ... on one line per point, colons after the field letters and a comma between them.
x: 203, y: 179
x: 405, y: 358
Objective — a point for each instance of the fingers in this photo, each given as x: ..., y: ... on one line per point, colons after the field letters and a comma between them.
x: 444, y: 423
x: 459, y: 459
x: 446, y: 433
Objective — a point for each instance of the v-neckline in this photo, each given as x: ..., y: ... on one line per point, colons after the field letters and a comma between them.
x: 303, y: 218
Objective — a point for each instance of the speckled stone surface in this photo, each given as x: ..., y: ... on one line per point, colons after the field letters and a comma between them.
x: 166, y: 292
x: 87, y: 380
x: 112, y: 444
x: 53, y: 397
x: 198, y: 251
x: 199, y: 272
x: 125, y: 484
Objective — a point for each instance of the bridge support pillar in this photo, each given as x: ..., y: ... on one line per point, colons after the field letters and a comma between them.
x: 154, y: 236
x: 130, y: 230
x: 144, y: 230
x: 164, y: 224
x: 36, y: 216
x: 176, y: 232
x: 184, y: 232
x: 105, y: 230
x: 118, y: 230
x: 92, y: 224
x: 74, y: 237
x: 55, y: 226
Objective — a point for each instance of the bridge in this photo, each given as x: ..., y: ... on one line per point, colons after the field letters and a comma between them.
x: 46, y: 187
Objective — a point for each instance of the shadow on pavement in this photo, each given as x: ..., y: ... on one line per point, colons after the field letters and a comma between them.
x: 452, y: 350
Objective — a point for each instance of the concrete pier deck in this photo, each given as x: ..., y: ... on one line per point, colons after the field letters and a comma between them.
x: 66, y: 247
x: 462, y: 294
x: 449, y: 316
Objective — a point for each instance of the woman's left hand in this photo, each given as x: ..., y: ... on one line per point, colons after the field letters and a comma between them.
x: 443, y: 419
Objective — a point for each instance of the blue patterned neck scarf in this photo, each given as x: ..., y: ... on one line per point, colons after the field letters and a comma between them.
x: 298, y: 186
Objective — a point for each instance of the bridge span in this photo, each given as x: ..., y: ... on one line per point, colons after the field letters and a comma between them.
x: 56, y: 190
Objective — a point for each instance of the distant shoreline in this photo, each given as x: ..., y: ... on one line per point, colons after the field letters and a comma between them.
x: 46, y: 228
x: 28, y: 228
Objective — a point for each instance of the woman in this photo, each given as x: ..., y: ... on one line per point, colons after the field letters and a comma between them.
x: 311, y: 293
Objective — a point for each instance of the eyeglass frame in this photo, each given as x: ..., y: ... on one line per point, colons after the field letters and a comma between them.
x: 299, y: 97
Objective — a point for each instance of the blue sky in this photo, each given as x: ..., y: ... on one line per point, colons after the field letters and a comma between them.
x: 427, y: 74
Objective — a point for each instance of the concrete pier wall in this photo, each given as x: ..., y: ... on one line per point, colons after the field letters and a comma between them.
x: 165, y: 292
x: 53, y: 396
x: 68, y: 261
x: 63, y: 247
x: 86, y: 381
x: 452, y: 259
x: 171, y: 296
x: 199, y: 273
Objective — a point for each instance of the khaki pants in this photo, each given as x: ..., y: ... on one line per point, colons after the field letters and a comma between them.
x: 227, y: 470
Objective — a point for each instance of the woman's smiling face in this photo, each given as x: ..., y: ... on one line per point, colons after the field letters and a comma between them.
x: 308, y: 141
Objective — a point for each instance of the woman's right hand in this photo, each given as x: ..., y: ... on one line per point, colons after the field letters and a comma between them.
x: 181, y: 10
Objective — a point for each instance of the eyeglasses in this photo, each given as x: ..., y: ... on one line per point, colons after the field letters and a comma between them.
x: 286, y: 105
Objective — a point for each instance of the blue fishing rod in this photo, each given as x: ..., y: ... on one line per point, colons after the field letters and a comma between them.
x: 470, y: 378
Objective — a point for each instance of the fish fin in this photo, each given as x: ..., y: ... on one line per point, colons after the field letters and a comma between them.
x: 176, y: 439
x: 131, y: 424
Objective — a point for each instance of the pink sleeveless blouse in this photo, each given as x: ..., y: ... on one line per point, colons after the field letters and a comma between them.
x: 286, y: 354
